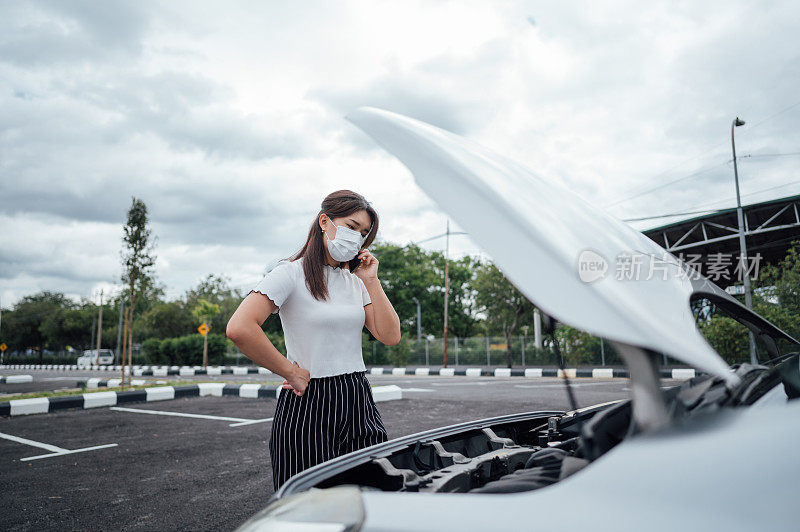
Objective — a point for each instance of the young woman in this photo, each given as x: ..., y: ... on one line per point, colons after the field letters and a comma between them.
x: 324, y: 295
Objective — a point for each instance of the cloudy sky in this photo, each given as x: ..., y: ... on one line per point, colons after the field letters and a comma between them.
x: 227, y: 119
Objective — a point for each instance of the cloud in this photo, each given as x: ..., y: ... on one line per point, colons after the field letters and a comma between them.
x: 58, y: 32
x: 228, y: 119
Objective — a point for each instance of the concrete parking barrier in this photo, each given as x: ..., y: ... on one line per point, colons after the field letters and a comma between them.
x: 376, y: 371
x: 96, y: 399
x: 211, y: 388
x: 571, y: 373
x: 162, y: 393
x: 502, y: 372
x: 422, y: 371
x: 398, y: 371
x: 37, y: 405
x: 533, y: 372
x: 249, y: 390
x: 447, y: 372
x: 16, y: 379
x: 683, y: 373
x: 473, y: 372
x: 602, y: 373
x: 386, y: 393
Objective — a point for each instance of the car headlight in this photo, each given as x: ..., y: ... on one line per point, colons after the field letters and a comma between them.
x: 338, y: 509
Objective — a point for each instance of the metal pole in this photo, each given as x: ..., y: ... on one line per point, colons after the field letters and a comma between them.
x: 419, y: 318
x: 522, y: 343
x: 426, y: 351
x: 537, y: 329
x: 742, y: 244
x: 455, y: 339
x: 488, y: 362
x: 446, y: 288
x: 602, y: 353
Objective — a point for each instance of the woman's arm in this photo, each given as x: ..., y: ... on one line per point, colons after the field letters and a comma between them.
x: 244, y: 329
x: 381, y: 319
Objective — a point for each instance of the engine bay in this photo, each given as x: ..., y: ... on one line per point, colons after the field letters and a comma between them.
x: 533, y: 452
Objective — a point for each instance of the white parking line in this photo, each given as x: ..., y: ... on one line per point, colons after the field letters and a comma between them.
x: 572, y: 383
x: 238, y: 421
x: 494, y: 382
x: 417, y: 390
x: 56, y: 451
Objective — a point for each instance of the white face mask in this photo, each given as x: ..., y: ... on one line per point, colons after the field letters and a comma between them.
x: 346, y: 245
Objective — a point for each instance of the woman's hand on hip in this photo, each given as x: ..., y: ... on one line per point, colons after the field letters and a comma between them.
x: 298, y: 380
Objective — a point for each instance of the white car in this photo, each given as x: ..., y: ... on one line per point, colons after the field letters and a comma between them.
x: 719, y: 452
x: 90, y: 358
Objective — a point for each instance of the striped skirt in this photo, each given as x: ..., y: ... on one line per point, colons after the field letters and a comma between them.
x: 334, y: 416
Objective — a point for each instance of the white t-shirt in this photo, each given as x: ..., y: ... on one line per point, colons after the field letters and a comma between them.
x: 323, y: 337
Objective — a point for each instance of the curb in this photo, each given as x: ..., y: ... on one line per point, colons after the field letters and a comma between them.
x: 45, y: 405
x: 593, y: 373
x: 153, y: 371
x: 163, y: 371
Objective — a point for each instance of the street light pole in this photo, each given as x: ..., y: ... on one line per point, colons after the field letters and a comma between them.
x: 742, y: 244
x: 446, y: 287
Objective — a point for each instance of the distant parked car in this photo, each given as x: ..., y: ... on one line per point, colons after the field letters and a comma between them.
x: 90, y: 358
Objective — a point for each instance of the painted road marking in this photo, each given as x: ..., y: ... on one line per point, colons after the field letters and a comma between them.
x: 56, y: 451
x: 238, y: 422
x: 417, y: 390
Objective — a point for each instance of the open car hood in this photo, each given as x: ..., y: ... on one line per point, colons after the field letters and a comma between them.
x: 538, y: 232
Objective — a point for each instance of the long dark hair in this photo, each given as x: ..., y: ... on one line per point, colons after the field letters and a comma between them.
x: 335, y: 205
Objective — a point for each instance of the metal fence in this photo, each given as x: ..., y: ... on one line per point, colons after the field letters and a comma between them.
x: 475, y: 351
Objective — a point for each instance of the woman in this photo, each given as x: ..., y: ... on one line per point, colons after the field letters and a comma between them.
x: 324, y: 295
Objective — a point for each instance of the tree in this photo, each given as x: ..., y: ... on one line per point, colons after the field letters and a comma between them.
x: 781, y: 284
x: 506, y: 308
x: 33, y: 322
x: 410, y: 271
x: 204, y: 312
x: 167, y: 320
x: 137, y: 262
x: 216, y: 289
x: 576, y: 346
x: 776, y: 297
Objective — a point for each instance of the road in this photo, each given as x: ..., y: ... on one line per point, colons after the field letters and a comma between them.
x: 163, y: 471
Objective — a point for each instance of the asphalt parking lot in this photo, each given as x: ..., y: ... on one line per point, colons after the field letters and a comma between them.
x: 203, y: 462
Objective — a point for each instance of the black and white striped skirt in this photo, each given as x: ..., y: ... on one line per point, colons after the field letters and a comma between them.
x: 334, y: 416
